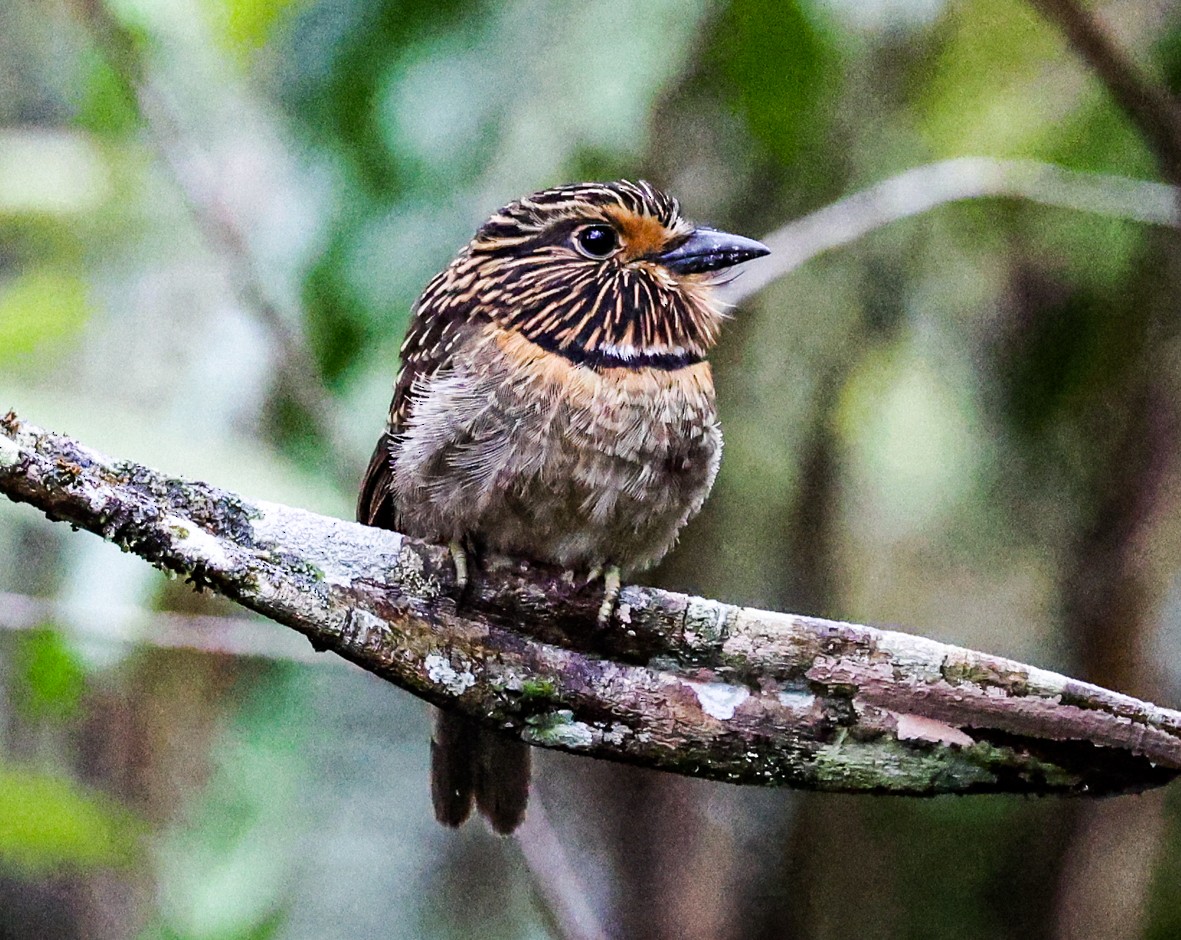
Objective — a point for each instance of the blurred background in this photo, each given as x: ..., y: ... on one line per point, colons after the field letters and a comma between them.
x: 214, y: 217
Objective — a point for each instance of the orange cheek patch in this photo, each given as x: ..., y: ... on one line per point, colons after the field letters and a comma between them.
x: 642, y: 234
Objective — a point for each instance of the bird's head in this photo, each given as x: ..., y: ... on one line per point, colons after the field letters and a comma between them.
x: 606, y: 274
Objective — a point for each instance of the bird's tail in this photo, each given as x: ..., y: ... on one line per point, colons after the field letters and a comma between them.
x: 473, y: 765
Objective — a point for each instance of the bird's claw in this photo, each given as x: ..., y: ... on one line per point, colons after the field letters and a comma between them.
x: 459, y: 558
x: 612, y: 582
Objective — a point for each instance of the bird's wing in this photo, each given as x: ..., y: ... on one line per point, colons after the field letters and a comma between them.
x: 435, y: 332
x: 375, y: 505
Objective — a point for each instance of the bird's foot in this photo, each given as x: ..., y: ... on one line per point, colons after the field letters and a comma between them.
x: 459, y: 558
x: 612, y: 583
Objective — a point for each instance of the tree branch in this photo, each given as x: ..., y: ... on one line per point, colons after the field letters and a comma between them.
x: 932, y: 185
x: 134, y: 625
x: 677, y: 683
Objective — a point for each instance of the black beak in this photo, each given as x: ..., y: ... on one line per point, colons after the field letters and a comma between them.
x: 707, y: 249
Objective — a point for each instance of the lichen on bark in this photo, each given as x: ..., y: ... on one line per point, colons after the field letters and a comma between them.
x: 684, y: 684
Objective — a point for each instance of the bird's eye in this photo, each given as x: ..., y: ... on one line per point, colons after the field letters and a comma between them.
x: 596, y: 241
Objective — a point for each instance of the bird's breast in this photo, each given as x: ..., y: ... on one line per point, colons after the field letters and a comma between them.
x: 541, y: 457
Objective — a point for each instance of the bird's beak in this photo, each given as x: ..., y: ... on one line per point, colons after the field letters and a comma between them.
x: 707, y: 249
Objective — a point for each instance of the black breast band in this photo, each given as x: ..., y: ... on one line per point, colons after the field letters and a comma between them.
x: 598, y: 359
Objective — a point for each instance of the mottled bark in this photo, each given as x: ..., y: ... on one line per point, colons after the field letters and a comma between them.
x: 678, y: 683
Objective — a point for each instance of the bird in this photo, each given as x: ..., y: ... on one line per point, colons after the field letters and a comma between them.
x: 554, y: 403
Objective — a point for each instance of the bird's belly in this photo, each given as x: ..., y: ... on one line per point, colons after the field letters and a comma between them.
x: 587, y: 472
x: 591, y: 504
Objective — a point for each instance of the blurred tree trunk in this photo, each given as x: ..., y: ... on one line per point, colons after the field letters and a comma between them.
x: 1109, y: 609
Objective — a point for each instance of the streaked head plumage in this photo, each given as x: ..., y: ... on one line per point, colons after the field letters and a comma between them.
x: 605, y: 274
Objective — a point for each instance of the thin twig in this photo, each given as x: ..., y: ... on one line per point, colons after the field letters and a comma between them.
x: 204, y: 633
x: 559, y: 883
x: 196, y: 177
x: 932, y: 185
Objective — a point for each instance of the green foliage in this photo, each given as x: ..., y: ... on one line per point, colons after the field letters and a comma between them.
x: 49, y: 823
x: 984, y: 92
x: 783, y: 67
x: 990, y: 91
x: 51, y: 680
x: 910, y: 424
x: 345, y: 54
x: 245, y: 25
x: 38, y: 308
x: 106, y: 104
x: 356, y: 54
x: 1168, y: 53
x: 268, y: 928
x: 231, y: 852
